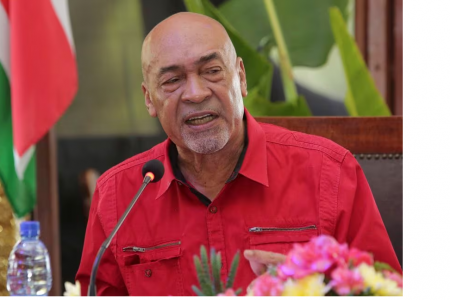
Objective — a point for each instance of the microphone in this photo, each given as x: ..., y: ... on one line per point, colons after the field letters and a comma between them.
x: 152, y: 171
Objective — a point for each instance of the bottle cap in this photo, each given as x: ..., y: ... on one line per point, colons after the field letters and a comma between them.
x: 29, y: 229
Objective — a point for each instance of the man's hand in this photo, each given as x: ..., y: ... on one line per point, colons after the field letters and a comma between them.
x: 260, y: 260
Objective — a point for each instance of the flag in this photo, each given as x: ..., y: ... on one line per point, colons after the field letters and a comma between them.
x: 38, y: 81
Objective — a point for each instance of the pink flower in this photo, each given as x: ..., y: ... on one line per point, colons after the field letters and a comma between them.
x: 345, y: 281
x: 394, y: 277
x: 317, y: 256
x: 357, y: 257
x: 330, y: 248
x: 228, y: 292
x: 266, y: 285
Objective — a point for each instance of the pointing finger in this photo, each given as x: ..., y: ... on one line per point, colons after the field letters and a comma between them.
x: 264, y: 257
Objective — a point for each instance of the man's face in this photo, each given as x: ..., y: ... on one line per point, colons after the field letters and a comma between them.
x: 195, y: 85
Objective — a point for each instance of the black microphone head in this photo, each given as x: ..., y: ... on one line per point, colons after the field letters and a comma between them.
x: 154, y: 166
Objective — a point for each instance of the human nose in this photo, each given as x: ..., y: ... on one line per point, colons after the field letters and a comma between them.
x: 195, y: 91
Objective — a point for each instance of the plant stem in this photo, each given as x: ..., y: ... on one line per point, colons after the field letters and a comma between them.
x: 195, y: 6
x: 290, y: 91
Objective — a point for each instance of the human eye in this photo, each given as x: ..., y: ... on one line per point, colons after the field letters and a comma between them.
x: 171, y: 80
x: 213, y: 71
x: 171, y: 83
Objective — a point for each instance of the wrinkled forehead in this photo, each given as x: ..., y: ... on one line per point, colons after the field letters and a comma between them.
x: 183, y: 46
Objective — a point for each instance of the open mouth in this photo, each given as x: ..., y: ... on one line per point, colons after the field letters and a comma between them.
x: 200, y: 120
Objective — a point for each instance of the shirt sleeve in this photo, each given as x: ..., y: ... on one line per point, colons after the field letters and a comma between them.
x: 359, y: 222
x: 109, y: 279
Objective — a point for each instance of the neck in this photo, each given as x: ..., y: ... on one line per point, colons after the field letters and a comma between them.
x: 208, y: 173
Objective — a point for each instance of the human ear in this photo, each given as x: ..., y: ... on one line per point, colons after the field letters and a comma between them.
x: 148, y: 101
x: 242, y: 78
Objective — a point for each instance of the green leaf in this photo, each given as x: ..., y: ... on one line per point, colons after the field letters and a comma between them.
x: 363, y: 98
x: 258, y: 106
x: 305, y: 25
x: 216, y: 263
x: 205, y: 266
x: 350, y: 104
x: 290, y: 90
x: 197, y: 291
x: 212, y: 257
x: 258, y: 68
x: 233, y: 270
x: 379, y: 266
x: 203, y: 277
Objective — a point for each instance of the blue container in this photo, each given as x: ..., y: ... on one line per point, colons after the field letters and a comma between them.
x: 29, y: 272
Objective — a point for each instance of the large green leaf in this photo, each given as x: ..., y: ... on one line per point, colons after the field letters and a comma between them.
x: 258, y: 70
x: 363, y: 98
x: 305, y: 25
x: 350, y: 104
x: 259, y: 106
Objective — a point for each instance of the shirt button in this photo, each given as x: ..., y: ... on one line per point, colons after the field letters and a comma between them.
x: 148, y: 273
x: 179, y: 183
x: 213, y: 209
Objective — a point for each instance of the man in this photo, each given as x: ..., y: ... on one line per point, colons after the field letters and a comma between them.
x: 230, y: 183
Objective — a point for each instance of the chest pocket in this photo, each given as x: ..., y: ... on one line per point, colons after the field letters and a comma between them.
x: 280, y: 238
x: 154, y: 270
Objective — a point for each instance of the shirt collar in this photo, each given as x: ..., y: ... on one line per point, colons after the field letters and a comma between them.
x: 254, y: 166
x: 252, y: 162
x: 169, y: 176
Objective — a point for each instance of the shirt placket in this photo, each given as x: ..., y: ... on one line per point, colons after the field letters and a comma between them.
x: 216, y: 235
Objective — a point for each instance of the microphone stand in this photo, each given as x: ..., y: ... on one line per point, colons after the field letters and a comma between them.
x: 92, y: 290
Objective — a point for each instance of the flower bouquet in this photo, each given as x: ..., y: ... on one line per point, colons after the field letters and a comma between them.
x: 323, y: 267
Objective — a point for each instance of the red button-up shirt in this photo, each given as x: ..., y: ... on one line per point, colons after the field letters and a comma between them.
x: 286, y: 180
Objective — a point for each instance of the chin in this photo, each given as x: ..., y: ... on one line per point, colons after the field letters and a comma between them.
x: 206, y: 143
x: 206, y: 146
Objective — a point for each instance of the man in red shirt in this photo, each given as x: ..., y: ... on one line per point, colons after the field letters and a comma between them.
x: 230, y: 183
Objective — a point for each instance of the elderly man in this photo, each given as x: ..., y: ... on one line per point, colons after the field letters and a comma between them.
x: 230, y: 183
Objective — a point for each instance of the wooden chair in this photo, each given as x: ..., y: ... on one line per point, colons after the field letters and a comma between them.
x: 377, y: 144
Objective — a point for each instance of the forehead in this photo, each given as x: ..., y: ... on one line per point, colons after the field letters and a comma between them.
x: 184, y: 48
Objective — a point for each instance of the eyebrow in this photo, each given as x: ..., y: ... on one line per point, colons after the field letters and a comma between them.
x: 168, y: 69
x: 208, y: 58
x: 200, y: 61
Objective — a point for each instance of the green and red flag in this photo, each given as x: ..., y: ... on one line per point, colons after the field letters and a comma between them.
x: 38, y: 81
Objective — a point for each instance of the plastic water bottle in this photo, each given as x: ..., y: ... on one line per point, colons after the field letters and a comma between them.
x: 29, y: 272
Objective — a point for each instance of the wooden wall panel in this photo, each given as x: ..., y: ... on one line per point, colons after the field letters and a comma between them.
x: 361, y: 26
x: 47, y: 204
x: 379, y: 35
x: 378, y: 45
x: 398, y: 57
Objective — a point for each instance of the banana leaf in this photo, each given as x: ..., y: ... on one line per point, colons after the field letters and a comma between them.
x: 305, y: 25
x: 363, y: 98
x: 258, y: 69
x: 258, y: 106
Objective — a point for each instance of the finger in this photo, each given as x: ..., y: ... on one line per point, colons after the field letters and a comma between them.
x: 257, y: 267
x: 265, y: 257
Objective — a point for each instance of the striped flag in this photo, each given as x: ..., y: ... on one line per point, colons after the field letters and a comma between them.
x: 38, y: 81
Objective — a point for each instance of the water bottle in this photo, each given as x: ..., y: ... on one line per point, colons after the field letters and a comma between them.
x: 29, y: 272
